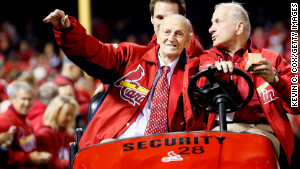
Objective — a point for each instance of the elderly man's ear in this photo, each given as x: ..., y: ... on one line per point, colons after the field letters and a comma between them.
x: 188, y: 40
x: 240, y: 27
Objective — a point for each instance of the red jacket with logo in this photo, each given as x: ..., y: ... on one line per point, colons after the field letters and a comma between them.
x: 131, y: 69
x: 24, y: 139
x: 275, y: 100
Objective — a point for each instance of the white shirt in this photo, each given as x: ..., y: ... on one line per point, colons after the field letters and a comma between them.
x: 137, y: 128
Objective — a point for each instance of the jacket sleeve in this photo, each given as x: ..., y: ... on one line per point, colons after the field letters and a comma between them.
x: 96, y: 58
x: 284, y: 85
x: 206, y: 58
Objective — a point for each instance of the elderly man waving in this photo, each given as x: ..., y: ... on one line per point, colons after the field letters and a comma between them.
x: 148, y: 94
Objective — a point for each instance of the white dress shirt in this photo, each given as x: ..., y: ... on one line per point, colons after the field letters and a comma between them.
x: 137, y: 128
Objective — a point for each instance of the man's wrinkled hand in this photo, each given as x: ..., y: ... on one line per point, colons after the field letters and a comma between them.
x: 225, y: 67
x: 58, y: 19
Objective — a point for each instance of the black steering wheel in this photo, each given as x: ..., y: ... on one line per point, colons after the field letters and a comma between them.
x: 215, y: 91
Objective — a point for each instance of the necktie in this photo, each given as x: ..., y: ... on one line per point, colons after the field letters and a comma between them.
x: 159, y: 107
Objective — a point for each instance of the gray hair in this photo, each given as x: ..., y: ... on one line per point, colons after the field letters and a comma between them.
x: 187, y: 21
x: 238, y: 13
x: 13, y: 88
x: 47, y: 92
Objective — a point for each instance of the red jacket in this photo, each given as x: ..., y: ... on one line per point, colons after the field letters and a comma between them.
x: 131, y: 70
x: 56, y: 143
x: 275, y: 100
x: 24, y: 140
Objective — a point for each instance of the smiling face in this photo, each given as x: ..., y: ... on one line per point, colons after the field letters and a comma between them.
x: 223, y: 28
x: 23, y: 101
x: 173, y: 36
x: 65, y: 115
x: 161, y: 10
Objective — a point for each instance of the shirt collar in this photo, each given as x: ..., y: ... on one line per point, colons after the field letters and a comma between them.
x: 172, y: 65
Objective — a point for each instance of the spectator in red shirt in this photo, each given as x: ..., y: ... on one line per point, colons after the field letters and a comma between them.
x: 23, y: 151
x: 56, y: 131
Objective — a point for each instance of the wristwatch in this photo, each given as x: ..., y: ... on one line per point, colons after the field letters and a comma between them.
x: 276, y: 79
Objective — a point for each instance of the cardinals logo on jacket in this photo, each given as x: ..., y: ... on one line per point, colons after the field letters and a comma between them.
x: 131, y: 91
x: 266, y: 93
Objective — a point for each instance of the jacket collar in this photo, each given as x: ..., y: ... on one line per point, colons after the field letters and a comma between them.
x: 153, y: 41
x: 22, y: 117
x: 250, y: 46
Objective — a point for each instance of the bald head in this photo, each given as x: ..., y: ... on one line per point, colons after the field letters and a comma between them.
x: 180, y: 18
x: 237, y: 13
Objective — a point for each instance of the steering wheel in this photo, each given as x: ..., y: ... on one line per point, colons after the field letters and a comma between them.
x: 216, y: 91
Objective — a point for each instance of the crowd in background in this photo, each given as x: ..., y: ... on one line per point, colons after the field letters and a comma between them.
x: 25, y: 55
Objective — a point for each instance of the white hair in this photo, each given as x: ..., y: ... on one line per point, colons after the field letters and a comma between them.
x: 13, y: 88
x: 47, y: 92
x: 238, y: 13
